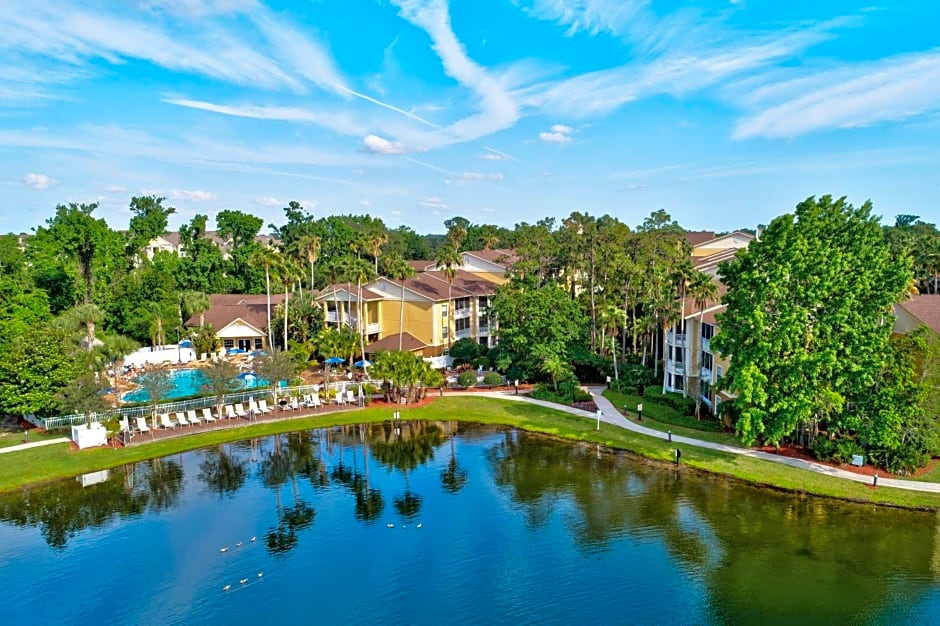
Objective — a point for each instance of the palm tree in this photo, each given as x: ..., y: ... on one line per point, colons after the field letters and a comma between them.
x: 448, y: 260
x: 310, y: 245
x: 87, y: 316
x: 398, y: 269
x: 284, y: 271
x: 362, y: 272
x: 489, y: 240
x: 193, y: 302
x: 267, y: 258
x: 701, y: 290
x: 376, y: 242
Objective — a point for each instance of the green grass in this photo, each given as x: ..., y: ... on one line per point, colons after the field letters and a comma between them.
x: 663, y: 418
x: 933, y: 476
x: 48, y: 463
x: 14, y: 437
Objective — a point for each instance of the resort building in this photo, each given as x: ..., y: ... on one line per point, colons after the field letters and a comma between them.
x: 170, y: 242
x: 239, y: 321
x: 690, y: 366
x: 919, y: 310
x: 419, y: 307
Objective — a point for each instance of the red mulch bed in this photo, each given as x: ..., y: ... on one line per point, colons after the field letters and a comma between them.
x: 800, y: 452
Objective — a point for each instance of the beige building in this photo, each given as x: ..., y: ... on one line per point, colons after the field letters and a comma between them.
x: 239, y: 321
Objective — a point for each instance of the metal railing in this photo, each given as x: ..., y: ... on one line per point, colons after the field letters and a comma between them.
x: 65, y: 421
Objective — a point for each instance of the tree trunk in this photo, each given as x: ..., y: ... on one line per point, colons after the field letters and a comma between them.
x: 401, y: 316
x: 286, y: 296
x: 267, y: 282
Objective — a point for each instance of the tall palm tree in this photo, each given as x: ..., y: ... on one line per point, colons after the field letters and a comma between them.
x: 362, y: 272
x: 376, y: 242
x: 267, y: 258
x: 702, y: 290
x: 285, y: 272
x: 448, y: 259
x: 310, y: 245
x: 192, y: 302
x: 397, y: 268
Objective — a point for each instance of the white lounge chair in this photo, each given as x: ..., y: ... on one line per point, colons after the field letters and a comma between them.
x: 315, y: 401
x: 240, y: 410
x: 306, y: 400
x: 294, y: 405
x: 142, y: 425
x: 192, y: 417
x: 125, y: 427
x: 338, y: 398
x: 165, y: 421
x: 207, y: 415
x: 263, y: 406
x: 351, y: 396
x: 253, y: 407
x: 230, y: 412
x: 181, y: 419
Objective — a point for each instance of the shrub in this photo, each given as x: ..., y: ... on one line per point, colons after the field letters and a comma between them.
x: 465, y: 350
x: 516, y: 373
x: 467, y: 379
x: 634, y: 378
x: 823, y: 447
x: 683, y: 405
x: 589, y: 366
x: 492, y: 379
x: 547, y: 393
x: 480, y: 362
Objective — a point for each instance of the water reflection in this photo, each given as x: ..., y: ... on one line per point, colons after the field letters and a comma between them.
x: 752, y: 552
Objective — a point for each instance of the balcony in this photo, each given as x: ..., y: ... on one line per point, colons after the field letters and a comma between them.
x: 483, y: 331
x: 706, y: 374
x: 676, y: 339
x: 332, y: 316
x: 373, y: 328
x: 706, y: 344
x: 675, y: 367
x: 462, y: 334
x: 460, y: 314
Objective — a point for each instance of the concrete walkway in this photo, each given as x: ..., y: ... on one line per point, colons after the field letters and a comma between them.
x: 611, y: 415
x: 36, y: 444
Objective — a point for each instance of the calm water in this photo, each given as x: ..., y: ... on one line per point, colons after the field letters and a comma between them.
x: 189, y: 382
x: 515, y: 528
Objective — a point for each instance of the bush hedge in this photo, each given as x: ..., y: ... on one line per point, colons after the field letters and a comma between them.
x: 492, y: 379
x: 467, y: 379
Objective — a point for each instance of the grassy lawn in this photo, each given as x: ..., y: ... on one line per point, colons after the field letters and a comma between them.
x: 663, y: 418
x: 14, y: 437
x: 933, y: 476
x: 47, y: 463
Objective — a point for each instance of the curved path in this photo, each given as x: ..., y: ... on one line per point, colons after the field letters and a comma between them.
x: 611, y: 415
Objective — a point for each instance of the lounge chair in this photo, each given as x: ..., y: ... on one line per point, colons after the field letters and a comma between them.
x: 181, y: 419
x: 165, y: 421
x: 192, y: 417
x: 125, y: 427
x: 207, y: 415
x: 230, y: 412
x: 240, y: 410
x: 315, y: 401
x: 263, y: 406
x: 142, y: 425
x: 306, y: 400
x: 338, y: 398
x: 351, y: 396
x: 253, y: 407
x: 294, y: 405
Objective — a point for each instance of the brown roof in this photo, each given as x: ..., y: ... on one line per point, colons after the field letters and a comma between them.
x: 695, y: 237
x: 709, y: 317
x: 409, y: 343
x: 469, y: 282
x: 504, y: 257
x: 226, y: 308
x: 367, y: 294
x: 429, y: 285
x: 926, y: 308
x: 420, y: 266
x: 692, y: 309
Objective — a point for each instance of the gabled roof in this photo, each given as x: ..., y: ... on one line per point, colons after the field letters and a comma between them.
x: 926, y: 308
x: 469, y: 282
x: 704, y: 243
x: 420, y: 266
x: 692, y: 308
x: 502, y: 257
x: 711, y: 261
x: 367, y: 294
x: 226, y: 308
x: 409, y: 343
x: 695, y: 237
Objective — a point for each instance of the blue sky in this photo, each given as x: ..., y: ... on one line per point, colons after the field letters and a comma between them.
x: 723, y: 113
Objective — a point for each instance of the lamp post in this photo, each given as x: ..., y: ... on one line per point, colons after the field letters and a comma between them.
x: 613, y: 350
x: 639, y: 412
x: 599, y: 413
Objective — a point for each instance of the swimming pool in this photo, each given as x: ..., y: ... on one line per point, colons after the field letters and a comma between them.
x: 191, y: 382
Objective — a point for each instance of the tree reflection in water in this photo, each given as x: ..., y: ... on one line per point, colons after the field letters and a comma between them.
x: 222, y: 472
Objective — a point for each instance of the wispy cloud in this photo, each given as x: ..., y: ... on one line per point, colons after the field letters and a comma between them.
x: 115, y: 188
x: 197, y: 195
x: 341, y: 122
x: 433, y: 202
x: 479, y: 176
x: 492, y: 154
x: 39, y: 182
x: 559, y: 133
x: 855, y: 95
x: 268, y: 201
x: 381, y: 145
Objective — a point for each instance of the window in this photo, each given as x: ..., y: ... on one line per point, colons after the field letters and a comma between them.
x: 444, y: 310
x: 718, y: 372
x: 445, y: 332
x: 708, y: 331
x: 707, y: 360
x: 485, y: 342
x: 228, y: 343
x: 462, y: 324
x: 678, y: 383
x: 678, y: 354
x: 462, y: 304
x: 259, y: 343
x: 482, y: 303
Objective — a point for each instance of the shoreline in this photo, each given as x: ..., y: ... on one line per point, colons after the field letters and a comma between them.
x: 49, y: 463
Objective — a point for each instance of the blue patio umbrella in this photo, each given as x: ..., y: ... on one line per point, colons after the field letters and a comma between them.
x: 333, y: 360
x: 365, y: 363
x: 186, y: 343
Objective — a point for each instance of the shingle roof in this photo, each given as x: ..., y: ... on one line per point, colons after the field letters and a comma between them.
x: 504, y: 257
x: 469, y: 282
x: 695, y: 237
x: 409, y: 343
x: 926, y: 308
x: 226, y: 308
x: 367, y: 294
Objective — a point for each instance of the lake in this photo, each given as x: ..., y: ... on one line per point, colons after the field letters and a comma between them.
x: 488, y: 525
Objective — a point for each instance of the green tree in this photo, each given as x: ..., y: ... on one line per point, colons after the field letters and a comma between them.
x: 34, y: 370
x: 397, y: 268
x: 158, y: 383
x: 808, y: 313
x: 83, y: 395
x: 448, y: 260
x: 221, y: 378
x: 276, y: 366
x: 465, y: 350
x: 149, y: 221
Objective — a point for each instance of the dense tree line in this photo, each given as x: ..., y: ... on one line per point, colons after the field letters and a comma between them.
x: 583, y: 291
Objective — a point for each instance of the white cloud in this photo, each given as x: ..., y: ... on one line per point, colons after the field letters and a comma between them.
x: 39, y: 182
x: 559, y: 134
x: 380, y: 145
x: 115, y: 188
x: 268, y: 201
x: 433, y: 202
x: 475, y: 176
x: 489, y: 156
x: 196, y: 195
x: 365, y: 203
x: 856, y: 95
x: 341, y: 122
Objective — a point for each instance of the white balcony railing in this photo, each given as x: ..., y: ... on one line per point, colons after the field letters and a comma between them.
x: 674, y: 367
x: 706, y: 374
x: 460, y: 314
x: 373, y: 328
x: 676, y: 339
x: 706, y: 344
x: 483, y: 331
x: 462, y: 334
x: 332, y: 316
